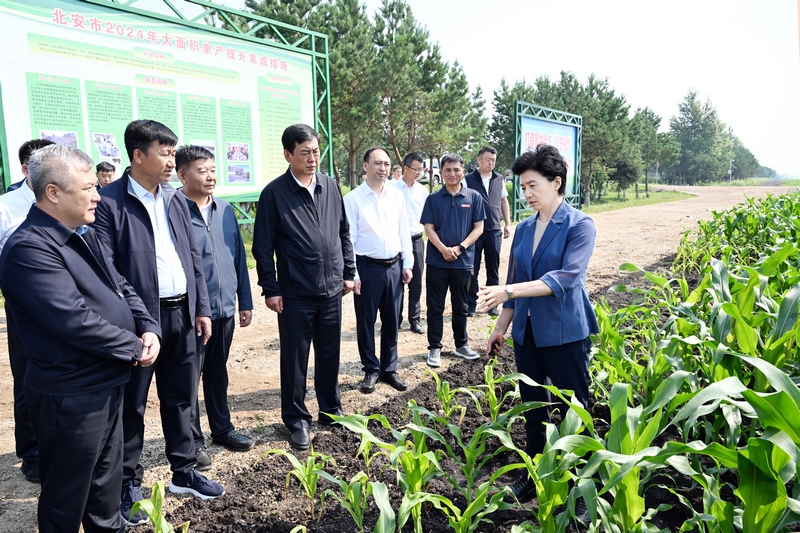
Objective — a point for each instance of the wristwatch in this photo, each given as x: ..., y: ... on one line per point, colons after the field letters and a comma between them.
x: 510, y: 292
x: 461, y: 247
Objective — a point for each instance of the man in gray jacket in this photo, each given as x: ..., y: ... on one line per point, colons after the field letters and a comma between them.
x: 216, y: 231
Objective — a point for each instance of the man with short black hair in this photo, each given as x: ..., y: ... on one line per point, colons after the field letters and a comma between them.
x: 14, y: 207
x: 24, y: 154
x: 148, y: 230
x: 83, y: 327
x: 453, y: 219
x: 415, y: 195
x: 105, y: 173
x: 492, y: 189
x: 382, y: 247
x: 304, y: 259
x: 216, y: 231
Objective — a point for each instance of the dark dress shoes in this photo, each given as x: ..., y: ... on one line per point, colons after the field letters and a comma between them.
x: 367, y: 384
x: 417, y: 328
x: 523, y: 489
x: 30, y: 469
x: 393, y: 380
x: 300, y: 439
x: 235, y: 441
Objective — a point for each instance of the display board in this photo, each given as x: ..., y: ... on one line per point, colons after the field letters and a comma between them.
x: 77, y: 73
x: 535, y: 125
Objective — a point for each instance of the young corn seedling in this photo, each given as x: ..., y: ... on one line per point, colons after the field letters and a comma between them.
x: 447, y: 396
x: 365, y: 448
x: 352, y: 496
x: 491, y: 385
x: 307, y: 475
x: 153, y: 508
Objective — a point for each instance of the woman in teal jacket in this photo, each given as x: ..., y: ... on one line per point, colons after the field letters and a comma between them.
x: 546, y: 294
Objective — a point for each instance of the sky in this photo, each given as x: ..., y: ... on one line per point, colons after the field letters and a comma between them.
x: 742, y: 55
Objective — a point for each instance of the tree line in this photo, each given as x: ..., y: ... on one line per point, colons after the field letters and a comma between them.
x: 390, y: 86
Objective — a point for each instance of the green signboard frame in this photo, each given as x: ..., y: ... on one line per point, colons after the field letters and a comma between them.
x: 232, y: 23
x: 525, y: 110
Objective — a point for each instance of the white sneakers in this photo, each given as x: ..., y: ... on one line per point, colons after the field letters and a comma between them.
x: 435, y: 358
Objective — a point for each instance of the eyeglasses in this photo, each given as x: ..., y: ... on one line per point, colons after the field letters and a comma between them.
x: 417, y: 170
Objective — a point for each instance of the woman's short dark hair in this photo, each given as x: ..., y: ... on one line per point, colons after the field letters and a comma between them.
x: 547, y: 161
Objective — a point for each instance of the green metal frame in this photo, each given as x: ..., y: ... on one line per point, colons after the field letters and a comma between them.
x: 525, y: 109
x: 274, y: 34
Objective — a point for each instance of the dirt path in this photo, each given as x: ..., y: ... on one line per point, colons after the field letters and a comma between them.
x: 640, y: 235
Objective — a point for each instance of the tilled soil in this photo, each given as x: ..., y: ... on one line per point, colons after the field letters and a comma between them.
x: 256, y: 499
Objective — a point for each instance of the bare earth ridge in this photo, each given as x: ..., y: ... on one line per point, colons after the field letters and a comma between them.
x: 641, y: 235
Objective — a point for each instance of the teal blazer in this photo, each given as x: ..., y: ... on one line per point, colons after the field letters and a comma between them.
x: 560, y: 262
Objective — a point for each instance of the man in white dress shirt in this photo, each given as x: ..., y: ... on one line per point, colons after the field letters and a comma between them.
x: 415, y: 195
x: 384, y: 259
x: 14, y: 207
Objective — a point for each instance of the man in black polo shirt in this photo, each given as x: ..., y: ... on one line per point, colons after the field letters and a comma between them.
x: 490, y: 185
x: 453, y: 219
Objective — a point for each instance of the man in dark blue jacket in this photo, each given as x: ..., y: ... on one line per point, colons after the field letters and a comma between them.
x: 216, y: 231
x: 490, y: 185
x: 83, y: 328
x: 301, y: 221
x: 149, y: 232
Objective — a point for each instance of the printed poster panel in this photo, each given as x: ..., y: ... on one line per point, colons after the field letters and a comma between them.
x: 78, y: 73
x: 562, y: 136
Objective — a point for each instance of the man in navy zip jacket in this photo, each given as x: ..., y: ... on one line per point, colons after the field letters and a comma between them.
x: 149, y: 232
x: 301, y: 221
x: 83, y: 328
x: 216, y: 231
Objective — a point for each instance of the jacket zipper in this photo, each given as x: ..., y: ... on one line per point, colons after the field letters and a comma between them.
x: 216, y: 264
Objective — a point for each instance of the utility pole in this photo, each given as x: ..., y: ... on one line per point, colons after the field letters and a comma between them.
x: 730, y: 170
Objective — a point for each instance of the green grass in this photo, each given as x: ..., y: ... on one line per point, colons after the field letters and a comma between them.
x: 610, y: 203
x: 247, y: 237
x: 754, y: 182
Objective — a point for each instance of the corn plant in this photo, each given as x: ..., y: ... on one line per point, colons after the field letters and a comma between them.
x: 365, y: 447
x: 483, y: 503
x: 307, y: 475
x: 153, y: 508
x: 447, y: 398
x: 352, y: 496
x: 491, y: 383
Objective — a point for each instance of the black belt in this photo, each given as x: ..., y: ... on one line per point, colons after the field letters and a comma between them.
x: 416, y: 237
x: 173, y: 301
x: 380, y: 262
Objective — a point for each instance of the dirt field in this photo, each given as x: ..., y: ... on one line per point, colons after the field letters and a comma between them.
x: 638, y: 235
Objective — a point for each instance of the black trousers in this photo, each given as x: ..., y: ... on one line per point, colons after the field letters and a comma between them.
x: 488, y: 245
x: 305, y: 320
x: 381, y: 290
x: 24, y: 437
x: 438, y: 281
x: 213, y: 369
x: 80, y: 460
x: 415, y: 285
x: 176, y: 378
x: 565, y: 366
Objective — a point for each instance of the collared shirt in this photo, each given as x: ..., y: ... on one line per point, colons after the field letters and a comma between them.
x: 14, y: 207
x: 311, y: 187
x: 453, y: 217
x: 379, y: 224
x: 171, y: 277
x: 415, y: 200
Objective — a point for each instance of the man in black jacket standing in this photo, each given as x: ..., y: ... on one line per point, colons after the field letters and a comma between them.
x: 490, y: 185
x: 148, y: 230
x: 301, y: 221
x: 83, y: 328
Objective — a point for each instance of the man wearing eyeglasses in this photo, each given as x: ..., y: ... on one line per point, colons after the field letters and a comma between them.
x: 415, y: 195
